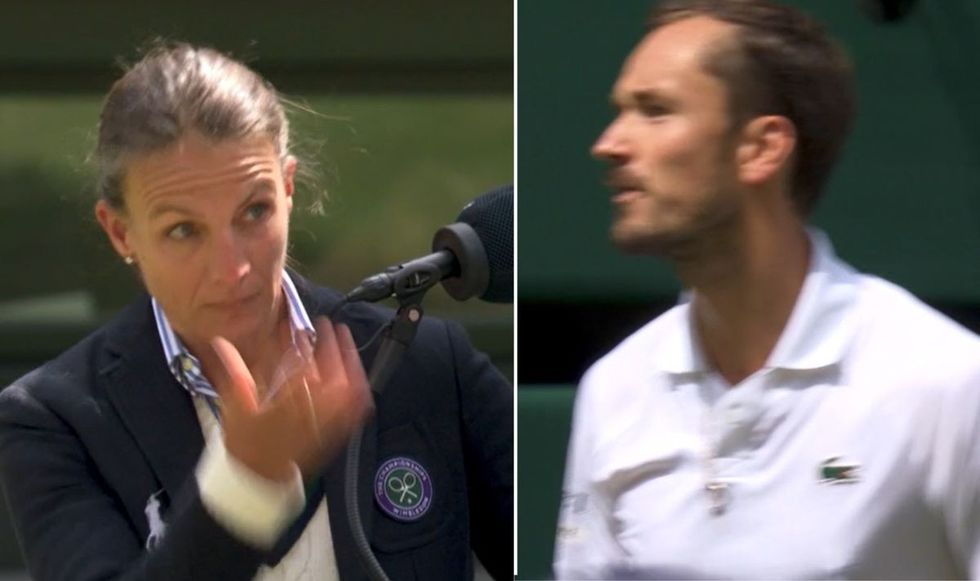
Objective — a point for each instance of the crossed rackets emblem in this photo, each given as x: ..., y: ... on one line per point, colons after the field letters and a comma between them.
x: 403, y: 489
x: 404, y: 485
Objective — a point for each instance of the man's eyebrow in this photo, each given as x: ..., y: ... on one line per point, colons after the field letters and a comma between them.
x: 638, y: 97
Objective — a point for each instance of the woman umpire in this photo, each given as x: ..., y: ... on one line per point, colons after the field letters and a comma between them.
x: 197, y: 435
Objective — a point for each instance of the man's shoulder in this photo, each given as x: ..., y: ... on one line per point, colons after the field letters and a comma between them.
x: 894, y: 309
x: 637, y: 353
x: 911, y: 333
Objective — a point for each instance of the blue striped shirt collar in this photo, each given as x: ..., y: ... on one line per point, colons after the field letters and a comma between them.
x: 186, y: 368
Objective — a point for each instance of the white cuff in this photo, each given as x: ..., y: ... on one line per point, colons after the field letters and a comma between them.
x: 251, y: 507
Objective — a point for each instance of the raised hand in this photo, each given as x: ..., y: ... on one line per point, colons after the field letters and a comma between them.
x: 306, y: 419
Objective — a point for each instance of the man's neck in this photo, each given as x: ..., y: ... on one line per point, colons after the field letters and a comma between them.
x: 744, y: 292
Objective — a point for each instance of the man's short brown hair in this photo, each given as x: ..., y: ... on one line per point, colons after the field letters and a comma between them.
x: 781, y: 63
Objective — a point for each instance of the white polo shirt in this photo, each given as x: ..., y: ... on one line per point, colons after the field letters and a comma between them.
x: 853, y: 453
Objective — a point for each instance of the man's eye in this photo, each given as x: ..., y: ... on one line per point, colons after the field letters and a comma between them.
x: 181, y: 231
x: 652, y: 110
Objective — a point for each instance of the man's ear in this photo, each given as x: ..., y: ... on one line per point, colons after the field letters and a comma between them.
x: 116, y: 227
x: 766, y: 149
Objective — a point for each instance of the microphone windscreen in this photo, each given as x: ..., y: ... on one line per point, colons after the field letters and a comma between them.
x: 492, y: 217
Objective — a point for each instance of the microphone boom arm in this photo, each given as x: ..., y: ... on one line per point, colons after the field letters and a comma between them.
x: 395, y: 341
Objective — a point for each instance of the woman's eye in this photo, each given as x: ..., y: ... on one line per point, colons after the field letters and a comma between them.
x: 256, y: 212
x: 181, y: 231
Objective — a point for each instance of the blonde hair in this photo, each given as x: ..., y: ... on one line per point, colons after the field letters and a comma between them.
x: 176, y: 88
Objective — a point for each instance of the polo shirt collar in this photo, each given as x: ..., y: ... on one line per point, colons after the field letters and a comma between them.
x: 816, y: 335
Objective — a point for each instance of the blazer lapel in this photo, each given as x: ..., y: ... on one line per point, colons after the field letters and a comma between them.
x: 155, y: 409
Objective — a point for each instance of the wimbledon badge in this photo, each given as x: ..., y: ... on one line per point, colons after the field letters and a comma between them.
x: 403, y: 489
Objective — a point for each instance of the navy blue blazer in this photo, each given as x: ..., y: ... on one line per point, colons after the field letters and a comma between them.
x: 87, y: 439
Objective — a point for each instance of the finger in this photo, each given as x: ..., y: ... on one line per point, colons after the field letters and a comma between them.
x: 351, y: 400
x: 292, y: 367
x: 342, y: 400
x: 294, y: 399
x: 357, y: 379
x: 310, y: 409
x: 236, y: 388
x: 305, y: 347
x: 329, y: 363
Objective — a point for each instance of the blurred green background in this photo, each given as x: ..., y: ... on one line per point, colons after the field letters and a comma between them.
x: 904, y: 201
x: 413, y: 117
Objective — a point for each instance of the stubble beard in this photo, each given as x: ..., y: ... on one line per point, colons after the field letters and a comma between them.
x: 686, y: 243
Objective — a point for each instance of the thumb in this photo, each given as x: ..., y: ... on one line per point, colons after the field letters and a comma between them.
x: 236, y: 385
x: 359, y: 386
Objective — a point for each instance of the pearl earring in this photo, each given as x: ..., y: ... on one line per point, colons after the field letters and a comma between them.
x: 129, y: 260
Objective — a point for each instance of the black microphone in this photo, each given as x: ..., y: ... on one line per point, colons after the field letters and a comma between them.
x: 472, y: 257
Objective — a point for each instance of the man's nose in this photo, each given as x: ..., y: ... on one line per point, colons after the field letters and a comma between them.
x: 611, y: 146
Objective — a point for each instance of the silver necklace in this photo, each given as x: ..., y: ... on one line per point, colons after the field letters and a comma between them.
x: 717, y: 490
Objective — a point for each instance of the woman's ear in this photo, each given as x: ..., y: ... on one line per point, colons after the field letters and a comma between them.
x: 288, y: 178
x: 116, y: 227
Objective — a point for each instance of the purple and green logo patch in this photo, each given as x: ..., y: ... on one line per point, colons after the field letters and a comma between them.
x: 403, y: 489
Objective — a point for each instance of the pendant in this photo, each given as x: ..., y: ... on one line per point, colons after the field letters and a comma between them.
x: 718, y: 496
